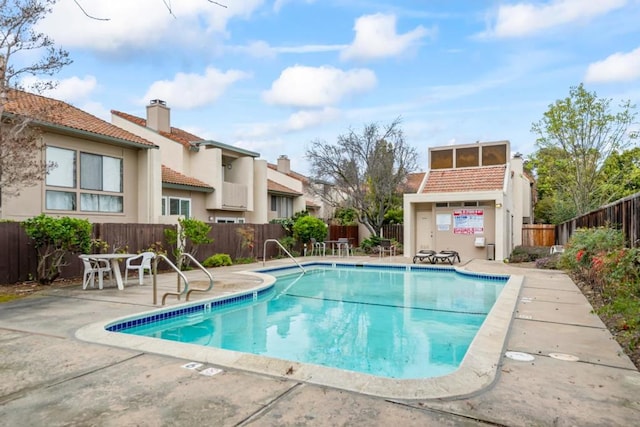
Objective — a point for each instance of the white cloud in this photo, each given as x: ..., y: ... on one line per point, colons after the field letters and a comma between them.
x: 310, y: 118
x: 521, y: 19
x: 279, y: 4
x: 619, y: 67
x: 376, y: 37
x: 138, y: 24
x: 188, y: 91
x: 303, y: 86
x: 262, y: 49
x: 71, y: 90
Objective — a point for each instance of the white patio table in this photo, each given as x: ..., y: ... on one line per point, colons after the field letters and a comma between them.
x: 114, y: 259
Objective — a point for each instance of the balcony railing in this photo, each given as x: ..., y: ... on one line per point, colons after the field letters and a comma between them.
x: 234, y: 196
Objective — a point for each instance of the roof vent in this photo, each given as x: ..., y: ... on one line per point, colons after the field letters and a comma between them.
x: 158, y: 102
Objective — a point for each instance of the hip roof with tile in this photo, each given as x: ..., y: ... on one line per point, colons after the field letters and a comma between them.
x: 52, y: 112
x: 487, y: 178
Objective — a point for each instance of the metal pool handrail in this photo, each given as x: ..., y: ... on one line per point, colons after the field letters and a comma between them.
x: 157, y: 258
x: 200, y: 266
x: 264, y: 253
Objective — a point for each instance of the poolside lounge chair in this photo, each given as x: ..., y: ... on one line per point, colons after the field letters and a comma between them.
x: 424, y: 254
x: 445, y: 256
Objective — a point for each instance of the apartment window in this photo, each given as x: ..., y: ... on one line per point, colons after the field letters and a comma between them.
x: 283, y: 206
x: 229, y: 220
x: 99, y: 174
x: 176, y: 206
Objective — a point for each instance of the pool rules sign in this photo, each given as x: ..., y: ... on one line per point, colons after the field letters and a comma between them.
x: 468, y: 221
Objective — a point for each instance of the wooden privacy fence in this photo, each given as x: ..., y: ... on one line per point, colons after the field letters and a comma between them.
x: 623, y: 214
x: 349, y: 231
x: 538, y: 235
x: 18, y: 257
x: 394, y: 231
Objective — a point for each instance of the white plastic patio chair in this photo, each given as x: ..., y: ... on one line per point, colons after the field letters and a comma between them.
x: 318, y: 247
x: 92, y: 267
x: 343, y: 245
x: 139, y: 263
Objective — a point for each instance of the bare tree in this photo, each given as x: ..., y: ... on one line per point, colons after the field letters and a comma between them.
x: 368, y: 170
x: 20, y: 145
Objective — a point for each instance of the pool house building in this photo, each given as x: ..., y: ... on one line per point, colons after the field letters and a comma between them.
x: 473, y: 199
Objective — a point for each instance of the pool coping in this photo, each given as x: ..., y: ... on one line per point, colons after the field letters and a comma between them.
x: 477, y: 370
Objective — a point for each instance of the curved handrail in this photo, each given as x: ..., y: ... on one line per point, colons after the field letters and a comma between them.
x: 157, y: 259
x: 201, y: 267
x: 264, y: 253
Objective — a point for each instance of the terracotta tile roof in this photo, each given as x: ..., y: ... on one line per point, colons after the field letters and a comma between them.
x: 170, y: 176
x: 274, y: 187
x: 53, y: 112
x: 178, y: 135
x: 468, y: 179
x: 413, y: 182
x: 292, y: 174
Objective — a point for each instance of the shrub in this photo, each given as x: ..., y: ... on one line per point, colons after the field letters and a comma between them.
x: 288, y: 242
x: 549, y: 262
x: 186, y: 237
x: 369, y: 243
x: 587, y: 243
x: 217, y: 260
x: 528, y: 253
x: 54, y: 239
x: 309, y: 227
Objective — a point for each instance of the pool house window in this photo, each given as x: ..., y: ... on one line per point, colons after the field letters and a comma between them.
x: 99, y: 177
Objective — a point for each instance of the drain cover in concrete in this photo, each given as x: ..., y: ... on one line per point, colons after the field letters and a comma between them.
x: 192, y: 365
x: 521, y: 357
x: 565, y: 357
x: 209, y: 372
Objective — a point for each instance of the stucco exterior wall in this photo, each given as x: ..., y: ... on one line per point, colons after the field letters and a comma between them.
x: 140, y: 202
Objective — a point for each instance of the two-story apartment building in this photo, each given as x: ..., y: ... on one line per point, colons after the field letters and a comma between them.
x: 203, y: 179
x: 473, y: 199
x: 290, y: 191
x: 98, y: 171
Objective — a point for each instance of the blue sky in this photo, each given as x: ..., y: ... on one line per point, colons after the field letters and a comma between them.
x: 272, y: 76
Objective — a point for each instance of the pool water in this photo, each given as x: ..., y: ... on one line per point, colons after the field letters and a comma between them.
x: 394, y: 323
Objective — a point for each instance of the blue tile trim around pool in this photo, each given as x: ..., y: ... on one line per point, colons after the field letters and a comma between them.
x: 206, y: 306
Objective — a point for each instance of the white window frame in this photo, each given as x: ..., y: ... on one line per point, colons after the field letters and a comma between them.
x: 166, y: 205
x: 229, y: 220
x: 107, y: 202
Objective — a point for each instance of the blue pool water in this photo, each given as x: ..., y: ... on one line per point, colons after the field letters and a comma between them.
x: 391, y: 323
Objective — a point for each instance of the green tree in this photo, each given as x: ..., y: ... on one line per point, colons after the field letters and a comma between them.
x: 621, y: 174
x: 586, y: 132
x: 368, y: 170
x: 188, y: 235
x: 54, y: 239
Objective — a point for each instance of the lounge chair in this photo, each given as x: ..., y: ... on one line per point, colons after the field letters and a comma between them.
x: 424, y: 254
x: 445, y: 256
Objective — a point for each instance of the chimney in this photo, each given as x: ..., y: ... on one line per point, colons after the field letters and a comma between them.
x: 159, y: 116
x: 284, y: 164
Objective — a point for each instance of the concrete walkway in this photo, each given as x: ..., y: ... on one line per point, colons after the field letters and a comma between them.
x: 49, y: 377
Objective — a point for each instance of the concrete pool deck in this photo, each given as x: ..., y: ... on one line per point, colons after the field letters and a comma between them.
x: 50, y: 377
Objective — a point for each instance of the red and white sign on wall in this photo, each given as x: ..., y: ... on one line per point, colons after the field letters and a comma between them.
x: 468, y: 221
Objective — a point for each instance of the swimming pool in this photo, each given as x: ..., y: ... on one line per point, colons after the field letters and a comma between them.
x: 389, y: 322
x: 476, y: 371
